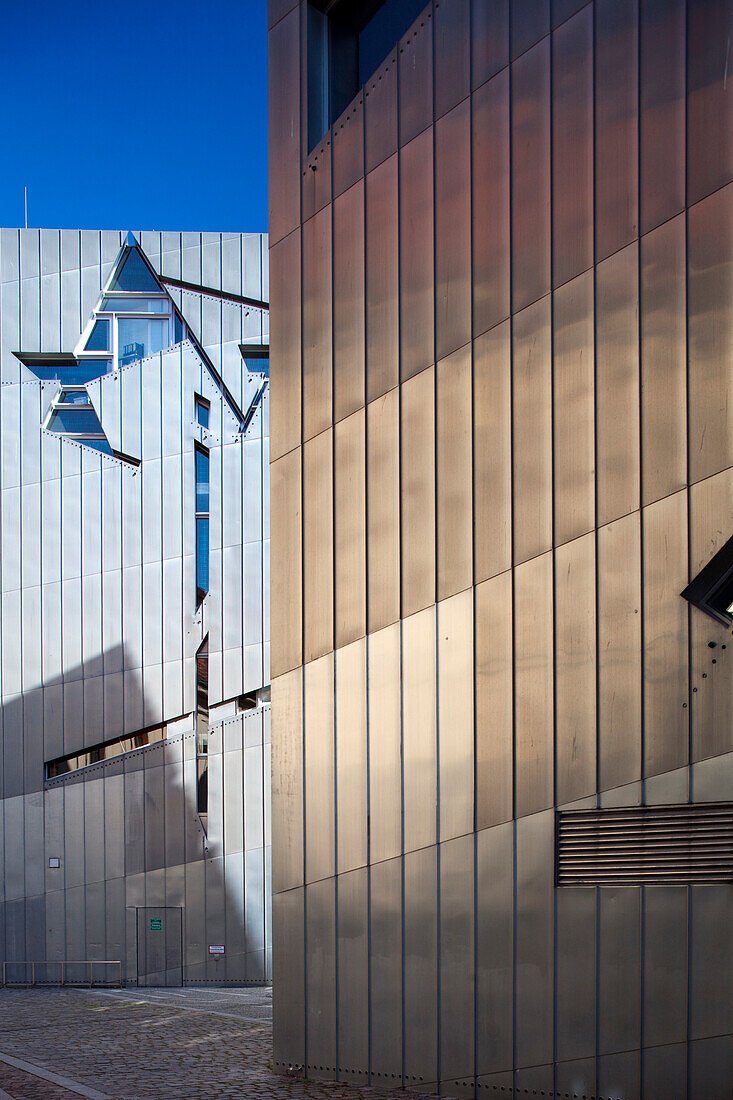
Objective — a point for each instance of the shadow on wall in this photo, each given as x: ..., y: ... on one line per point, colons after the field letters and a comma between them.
x: 126, y: 835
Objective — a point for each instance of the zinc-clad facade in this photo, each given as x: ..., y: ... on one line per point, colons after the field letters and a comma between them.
x: 501, y: 448
x: 100, y: 625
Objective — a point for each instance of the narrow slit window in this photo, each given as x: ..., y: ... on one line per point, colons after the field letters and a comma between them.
x: 202, y: 729
x: 202, y: 523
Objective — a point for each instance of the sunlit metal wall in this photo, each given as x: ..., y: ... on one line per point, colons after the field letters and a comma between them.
x: 501, y: 447
x: 99, y: 626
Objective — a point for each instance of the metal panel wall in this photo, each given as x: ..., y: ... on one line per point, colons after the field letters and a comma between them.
x: 98, y: 588
x: 545, y: 302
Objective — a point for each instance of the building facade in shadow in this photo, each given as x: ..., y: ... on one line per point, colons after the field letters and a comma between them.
x: 135, y: 628
x: 500, y: 247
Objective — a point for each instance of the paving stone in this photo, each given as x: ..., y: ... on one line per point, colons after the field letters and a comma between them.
x: 197, y: 1044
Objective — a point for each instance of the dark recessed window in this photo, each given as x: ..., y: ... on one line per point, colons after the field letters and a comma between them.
x: 202, y: 523
x: 712, y: 588
x: 202, y: 408
x: 202, y: 729
x: 98, y: 337
x: 347, y: 41
x: 134, y: 275
x: 108, y: 750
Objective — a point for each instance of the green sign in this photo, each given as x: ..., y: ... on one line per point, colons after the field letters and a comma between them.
x: 156, y: 924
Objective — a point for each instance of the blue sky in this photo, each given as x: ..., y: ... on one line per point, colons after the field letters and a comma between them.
x: 145, y: 114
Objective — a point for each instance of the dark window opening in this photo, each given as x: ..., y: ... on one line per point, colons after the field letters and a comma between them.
x: 202, y: 409
x: 107, y: 750
x: 202, y: 729
x: 712, y: 588
x: 134, y: 275
x: 202, y: 523
x: 98, y: 337
x: 347, y: 41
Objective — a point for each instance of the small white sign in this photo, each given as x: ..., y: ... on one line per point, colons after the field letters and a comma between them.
x: 217, y: 949
x: 54, y: 861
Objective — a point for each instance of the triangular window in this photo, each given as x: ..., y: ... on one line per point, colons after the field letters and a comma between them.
x: 134, y: 276
x: 73, y: 415
x: 712, y: 588
x: 99, y: 337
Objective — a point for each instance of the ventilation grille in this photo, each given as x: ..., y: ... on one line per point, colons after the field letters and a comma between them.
x: 646, y: 846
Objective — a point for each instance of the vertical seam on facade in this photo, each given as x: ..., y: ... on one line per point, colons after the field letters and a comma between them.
x: 597, y: 894
x: 690, y: 725
x: 510, y: 83
x: 303, y: 31
x: 553, y: 527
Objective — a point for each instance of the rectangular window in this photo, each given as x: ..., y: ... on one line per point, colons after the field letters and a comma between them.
x: 202, y: 523
x: 202, y: 410
x: 138, y: 337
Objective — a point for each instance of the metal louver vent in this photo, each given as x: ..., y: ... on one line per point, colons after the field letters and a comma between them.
x: 645, y: 845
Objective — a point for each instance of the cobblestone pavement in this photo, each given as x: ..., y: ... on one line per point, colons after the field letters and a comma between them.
x: 184, y: 1044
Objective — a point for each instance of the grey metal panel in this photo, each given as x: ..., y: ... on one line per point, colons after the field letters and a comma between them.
x: 316, y: 179
x: 419, y: 734
x: 619, y: 652
x: 284, y: 127
x: 711, y: 961
x: 710, y: 1067
x: 665, y: 965
x: 134, y: 821
x: 575, y: 669
x: 319, y: 766
x: 420, y: 996
x: 380, y: 110
x: 572, y: 147
x: 531, y: 175
x: 616, y: 124
x: 709, y: 148
x: 417, y: 491
x: 348, y: 301
x: 353, y: 980
x: 663, y: 360
x: 493, y: 701
x: 494, y: 959
x: 532, y: 431
x: 457, y: 958
x: 453, y: 230
x: 317, y: 324
x: 534, y: 963
x: 155, y: 816
x: 710, y: 294
x: 489, y: 38
x: 662, y: 111
x: 454, y: 474
x: 285, y: 344
x: 320, y: 977
x: 455, y: 660
x: 663, y: 1068
x: 318, y: 546
x: 491, y: 195
x: 384, y: 715
x: 50, y: 312
x: 349, y: 521
x: 573, y: 409
x: 617, y: 384
x: 619, y: 981
x: 619, y: 1074
x: 534, y: 687
x: 114, y: 826
x: 452, y: 54
x: 93, y: 824
x: 576, y: 973
x: 288, y: 978
x: 285, y: 563
x: 417, y: 323
x: 351, y: 755
x: 666, y: 687
x: 382, y: 278
x: 416, y: 79
x: 348, y: 147
x: 530, y: 20
x: 383, y: 511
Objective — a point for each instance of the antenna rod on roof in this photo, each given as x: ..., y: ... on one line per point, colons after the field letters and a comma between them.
x: 25, y: 201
